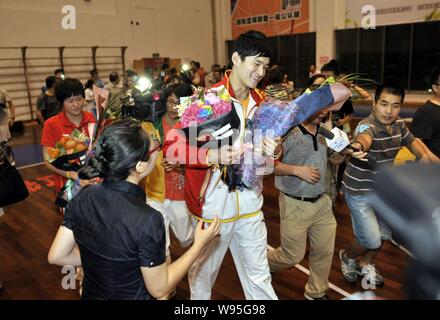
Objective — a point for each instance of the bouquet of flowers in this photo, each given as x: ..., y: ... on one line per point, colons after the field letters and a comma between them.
x: 276, y: 118
x: 209, y: 112
x: 70, y: 151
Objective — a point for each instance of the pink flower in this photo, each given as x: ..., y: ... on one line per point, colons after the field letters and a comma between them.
x: 221, y: 108
x: 198, y: 112
x: 211, y: 98
x: 191, y: 115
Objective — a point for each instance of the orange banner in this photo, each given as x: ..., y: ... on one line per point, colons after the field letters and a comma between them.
x: 274, y: 17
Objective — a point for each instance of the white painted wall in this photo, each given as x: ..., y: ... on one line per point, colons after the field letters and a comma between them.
x: 223, y: 29
x: 182, y: 28
x: 325, y: 17
x: 173, y: 28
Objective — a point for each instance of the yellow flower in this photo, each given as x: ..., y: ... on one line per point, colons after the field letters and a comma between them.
x: 225, y: 97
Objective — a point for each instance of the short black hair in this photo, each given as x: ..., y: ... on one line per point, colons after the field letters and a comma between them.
x: 391, y: 88
x: 435, y: 78
x: 276, y: 75
x: 331, y: 66
x: 58, y: 71
x: 50, y: 81
x: 130, y: 73
x: 253, y: 43
x: 313, y: 79
x: 88, y: 84
x: 113, y: 76
x: 180, y: 90
x: 68, y: 88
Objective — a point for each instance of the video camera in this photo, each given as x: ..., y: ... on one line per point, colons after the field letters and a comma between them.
x: 148, y: 106
x: 407, y: 200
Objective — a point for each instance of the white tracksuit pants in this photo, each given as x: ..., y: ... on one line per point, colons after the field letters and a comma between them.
x: 247, y: 240
x: 175, y: 215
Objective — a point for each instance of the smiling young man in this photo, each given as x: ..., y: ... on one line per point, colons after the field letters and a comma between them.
x: 243, y: 228
x: 70, y: 95
x: 382, y: 135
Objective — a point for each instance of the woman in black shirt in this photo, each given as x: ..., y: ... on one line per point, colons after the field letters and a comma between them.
x: 121, y: 239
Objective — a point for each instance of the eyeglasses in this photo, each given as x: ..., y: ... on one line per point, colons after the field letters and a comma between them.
x: 173, y: 102
x: 158, y: 147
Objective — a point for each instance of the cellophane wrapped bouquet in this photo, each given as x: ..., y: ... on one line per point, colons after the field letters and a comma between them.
x: 276, y: 118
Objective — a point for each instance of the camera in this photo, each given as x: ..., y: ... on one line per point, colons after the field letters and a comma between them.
x: 406, y: 198
x: 147, y: 106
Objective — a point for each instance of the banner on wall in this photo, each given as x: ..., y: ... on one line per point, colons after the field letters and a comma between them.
x: 392, y: 11
x: 274, y: 17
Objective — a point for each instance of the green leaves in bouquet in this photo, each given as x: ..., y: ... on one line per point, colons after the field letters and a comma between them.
x: 80, y: 136
x: 348, y: 81
x: 60, y: 147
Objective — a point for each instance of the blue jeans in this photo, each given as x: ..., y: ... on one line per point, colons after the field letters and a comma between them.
x: 368, y: 229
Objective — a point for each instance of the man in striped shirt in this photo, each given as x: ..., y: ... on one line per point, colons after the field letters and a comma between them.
x: 382, y: 134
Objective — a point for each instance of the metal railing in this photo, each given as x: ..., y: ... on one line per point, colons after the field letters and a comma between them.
x: 23, y: 70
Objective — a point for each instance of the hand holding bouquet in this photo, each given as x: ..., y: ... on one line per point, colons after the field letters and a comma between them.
x: 69, y: 152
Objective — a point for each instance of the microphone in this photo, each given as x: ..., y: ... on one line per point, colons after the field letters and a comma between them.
x: 337, y: 140
x: 326, y: 133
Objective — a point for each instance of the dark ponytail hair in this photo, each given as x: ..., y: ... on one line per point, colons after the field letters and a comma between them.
x: 119, y: 148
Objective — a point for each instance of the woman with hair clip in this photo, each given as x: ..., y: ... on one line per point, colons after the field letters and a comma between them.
x: 121, y: 240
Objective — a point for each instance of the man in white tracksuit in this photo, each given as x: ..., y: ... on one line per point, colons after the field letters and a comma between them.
x: 243, y: 230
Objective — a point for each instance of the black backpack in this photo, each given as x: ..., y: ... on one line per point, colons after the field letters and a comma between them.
x: 12, y: 186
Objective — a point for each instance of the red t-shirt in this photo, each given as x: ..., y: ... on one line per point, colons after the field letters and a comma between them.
x: 174, y: 180
x: 53, y: 130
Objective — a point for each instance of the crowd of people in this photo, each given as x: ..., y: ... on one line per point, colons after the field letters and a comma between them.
x: 134, y: 189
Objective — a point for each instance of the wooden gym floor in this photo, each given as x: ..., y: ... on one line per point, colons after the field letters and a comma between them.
x: 28, y: 228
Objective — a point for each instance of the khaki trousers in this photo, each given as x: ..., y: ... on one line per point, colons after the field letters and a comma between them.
x: 301, y: 220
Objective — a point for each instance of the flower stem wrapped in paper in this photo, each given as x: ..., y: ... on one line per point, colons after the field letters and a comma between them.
x: 70, y: 151
x: 208, y: 113
x: 276, y: 118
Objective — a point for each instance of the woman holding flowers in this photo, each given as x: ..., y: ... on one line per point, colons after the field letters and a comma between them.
x: 56, y: 130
